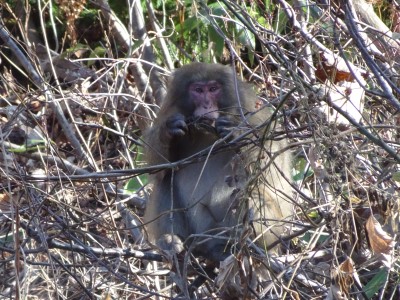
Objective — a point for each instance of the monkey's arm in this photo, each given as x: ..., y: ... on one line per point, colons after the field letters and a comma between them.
x: 159, y: 137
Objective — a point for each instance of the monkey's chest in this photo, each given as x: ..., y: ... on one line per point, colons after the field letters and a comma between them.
x: 195, y: 142
x: 211, y: 187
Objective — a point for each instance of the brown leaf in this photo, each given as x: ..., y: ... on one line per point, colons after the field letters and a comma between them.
x: 342, y: 280
x: 5, y: 201
x: 379, y: 241
x: 334, y: 70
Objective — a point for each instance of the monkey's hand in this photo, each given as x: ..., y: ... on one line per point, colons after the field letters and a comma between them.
x: 176, y: 125
x: 224, y: 125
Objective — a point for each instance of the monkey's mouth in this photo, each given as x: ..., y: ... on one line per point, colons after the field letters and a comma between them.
x: 208, y: 120
x: 203, y: 123
x: 204, y: 119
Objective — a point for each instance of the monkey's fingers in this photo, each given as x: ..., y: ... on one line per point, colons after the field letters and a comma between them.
x: 177, y: 126
x: 224, y: 126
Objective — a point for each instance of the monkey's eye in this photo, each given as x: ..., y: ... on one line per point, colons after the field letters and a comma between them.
x: 198, y: 90
x: 213, y: 88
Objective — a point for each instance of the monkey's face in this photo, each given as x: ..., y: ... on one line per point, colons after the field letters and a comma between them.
x: 205, y: 96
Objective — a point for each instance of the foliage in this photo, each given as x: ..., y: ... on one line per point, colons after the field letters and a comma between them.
x: 76, y: 97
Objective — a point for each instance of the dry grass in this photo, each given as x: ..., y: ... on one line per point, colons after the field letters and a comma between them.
x: 69, y: 228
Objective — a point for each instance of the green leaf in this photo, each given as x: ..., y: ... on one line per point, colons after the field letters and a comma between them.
x: 376, y: 283
x: 302, y: 171
x: 247, y: 39
x: 99, y: 51
x: 31, y: 145
x: 281, y: 22
x: 136, y: 183
x: 218, y: 40
x: 313, y: 214
x: 9, y: 237
x: 217, y: 9
x: 396, y: 176
x: 322, y: 237
x: 188, y: 25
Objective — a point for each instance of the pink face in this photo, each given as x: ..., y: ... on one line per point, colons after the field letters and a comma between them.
x: 205, y: 95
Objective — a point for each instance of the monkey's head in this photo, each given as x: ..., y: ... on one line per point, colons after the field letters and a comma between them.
x: 203, y: 90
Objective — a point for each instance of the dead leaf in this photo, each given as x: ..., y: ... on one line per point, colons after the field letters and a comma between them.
x: 379, y: 241
x: 342, y: 280
x: 5, y: 202
x: 332, y: 69
x: 235, y: 276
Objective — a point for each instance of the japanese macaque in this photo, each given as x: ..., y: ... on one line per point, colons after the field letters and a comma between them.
x: 235, y: 185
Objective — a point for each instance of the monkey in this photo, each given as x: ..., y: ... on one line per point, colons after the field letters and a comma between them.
x: 205, y: 203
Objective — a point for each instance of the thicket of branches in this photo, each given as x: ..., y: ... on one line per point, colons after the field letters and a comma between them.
x: 81, y: 81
